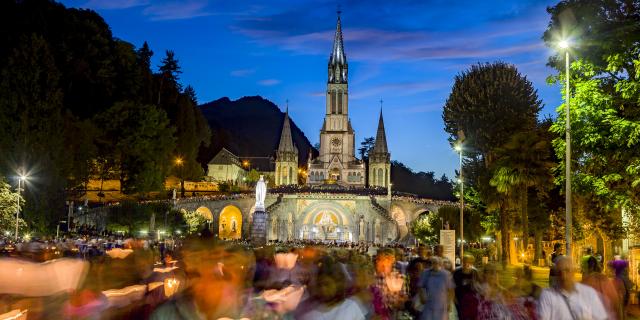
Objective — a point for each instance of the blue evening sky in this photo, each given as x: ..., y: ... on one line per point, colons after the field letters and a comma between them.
x: 403, y: 52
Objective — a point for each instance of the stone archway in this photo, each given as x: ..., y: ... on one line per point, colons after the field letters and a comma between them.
x: 327, y: 220
x: 230, y: 223
x: 206, y: 213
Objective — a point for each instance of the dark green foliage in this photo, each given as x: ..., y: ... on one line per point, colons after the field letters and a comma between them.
x: 365, y: 147
x: 423, y: 184
x: 597, y: 29
x: 141, y: 142
x: 605, y: 109
x: 489, y: 102
x: 426, y: 228
x: 133, y: 217
x: 129, y: 215
x: 31, y: 119
x: 77, y: 103
x: 524, y: 162
x: 472, y: 228
x: 192, y: 132
x: 495, y: 106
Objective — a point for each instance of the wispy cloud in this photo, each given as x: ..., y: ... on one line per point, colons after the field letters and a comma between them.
x: 407, y: 35
x: 242, y: 72
x: 268, y: 82
x: 115, y: 4
x: 398, y: 89
x: 317, y: 94
x: 177, y: 10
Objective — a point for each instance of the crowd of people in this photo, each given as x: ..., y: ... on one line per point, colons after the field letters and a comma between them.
x: 204, y: 278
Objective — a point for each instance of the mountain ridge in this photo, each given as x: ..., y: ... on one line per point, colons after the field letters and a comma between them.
x: 249, y: 127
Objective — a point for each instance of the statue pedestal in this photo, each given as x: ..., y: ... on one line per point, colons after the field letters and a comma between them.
x: 259, y: 228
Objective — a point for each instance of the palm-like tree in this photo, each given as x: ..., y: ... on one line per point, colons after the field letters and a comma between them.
x: 522, y: 163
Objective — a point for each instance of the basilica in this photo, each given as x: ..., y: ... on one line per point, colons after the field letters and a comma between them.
x: 337, y: 162
x: 343, y: 198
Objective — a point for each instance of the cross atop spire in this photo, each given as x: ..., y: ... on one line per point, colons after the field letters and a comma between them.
x: 380, y: 146
x: 338, y: 56
x: 286, y: 140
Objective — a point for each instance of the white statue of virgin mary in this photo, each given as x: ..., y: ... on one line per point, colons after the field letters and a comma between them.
x: 261, y: 194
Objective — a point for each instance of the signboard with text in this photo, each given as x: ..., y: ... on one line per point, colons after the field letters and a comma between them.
x: 448, y: 242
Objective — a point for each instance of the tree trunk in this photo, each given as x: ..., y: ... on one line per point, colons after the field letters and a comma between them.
x: 182, y: 187
x: 538, y: 245
x: 525, y: 220
x: 504, y: 232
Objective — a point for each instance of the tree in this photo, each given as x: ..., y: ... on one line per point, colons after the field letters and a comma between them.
x: 605, y: 106
x: 9, y: 207
x: 194, y: 220
x: 253, y: 176
x: 140, y: 140
x: 424, y: 229
x: 130, y: 216
x: 522, y: 163
x: 190, y: 93
x: 144, y: 55
x: 599, y: 30
x: 420, y: 183
x: 169, y: 73
x: 490, y: 103
x: 60, y: 71
x: 143, y: 59
x: 192, y: 133
x: 170, y: 67
x: 31, y: 121
x: 365, y: 147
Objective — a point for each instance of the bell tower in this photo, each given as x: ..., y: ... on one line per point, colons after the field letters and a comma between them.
x: 337, y: 162
x: 337, y: 136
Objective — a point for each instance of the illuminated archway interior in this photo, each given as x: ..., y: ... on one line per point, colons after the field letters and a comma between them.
x: 206, y: 213
x: 230, y: 223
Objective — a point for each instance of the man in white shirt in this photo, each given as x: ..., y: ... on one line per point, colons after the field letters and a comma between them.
x: 569, y: 300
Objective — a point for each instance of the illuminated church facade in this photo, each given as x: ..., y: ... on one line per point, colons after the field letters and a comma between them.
x: 337, y: 162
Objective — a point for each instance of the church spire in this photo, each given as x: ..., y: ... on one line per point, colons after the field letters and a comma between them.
x: 338, y: 59
x: 337, y: 54
x: 286, y: 140
x: 380, y: 146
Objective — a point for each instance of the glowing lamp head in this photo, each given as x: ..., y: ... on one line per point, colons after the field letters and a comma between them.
x: 458, y: 147
x: 564, y: 44
x: 179, y: 161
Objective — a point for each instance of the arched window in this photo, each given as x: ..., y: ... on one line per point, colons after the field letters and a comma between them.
x: 333, y: 101
x: 380, y: 178
x: 373, y: 179
x: 340, y: 111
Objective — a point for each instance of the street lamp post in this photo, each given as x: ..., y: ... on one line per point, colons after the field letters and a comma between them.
x: 568, y: 223
x: 459, y: 149
x: 21, y: 179
x: 179, y: 163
